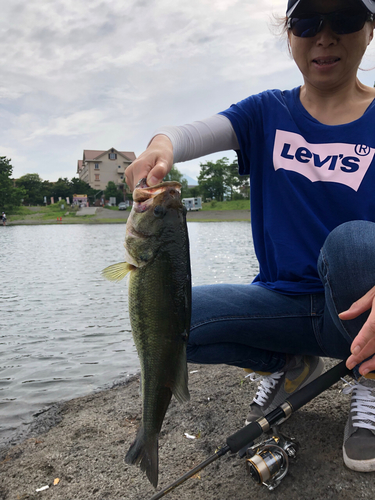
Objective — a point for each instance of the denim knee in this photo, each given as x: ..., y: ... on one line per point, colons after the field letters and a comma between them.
x: 349, y: 242
x: 346, y: 267
x: 347, y: 258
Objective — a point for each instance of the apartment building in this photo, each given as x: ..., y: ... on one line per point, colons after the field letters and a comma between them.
x: 97, y: 168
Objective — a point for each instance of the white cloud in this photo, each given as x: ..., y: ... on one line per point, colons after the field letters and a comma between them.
x: 73, y: 125
x: 106, y: 73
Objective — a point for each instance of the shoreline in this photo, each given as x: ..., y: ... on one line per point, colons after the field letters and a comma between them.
x: 83, y: 442
x: 105, y: 216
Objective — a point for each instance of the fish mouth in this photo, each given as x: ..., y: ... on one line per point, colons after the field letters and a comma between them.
x: 144, y: 198
x: 142, y: 205
x: 144, y: 192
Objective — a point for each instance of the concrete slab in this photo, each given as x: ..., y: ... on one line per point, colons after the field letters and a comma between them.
x: 87, y: 211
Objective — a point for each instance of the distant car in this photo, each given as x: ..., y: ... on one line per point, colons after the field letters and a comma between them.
x: 122, y: 206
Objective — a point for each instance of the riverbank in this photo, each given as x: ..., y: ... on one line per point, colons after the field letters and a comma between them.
x: 106, y: 216
x: 81, y: 444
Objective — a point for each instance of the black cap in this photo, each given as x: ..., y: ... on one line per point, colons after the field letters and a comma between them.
x: 292, y: 4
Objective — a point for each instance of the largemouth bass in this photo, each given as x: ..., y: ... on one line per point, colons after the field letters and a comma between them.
x: 157, y: 259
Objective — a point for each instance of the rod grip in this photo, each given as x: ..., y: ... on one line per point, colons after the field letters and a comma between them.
x: 244, y: 436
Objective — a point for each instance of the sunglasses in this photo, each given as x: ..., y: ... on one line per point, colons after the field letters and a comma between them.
x: 341, y: 23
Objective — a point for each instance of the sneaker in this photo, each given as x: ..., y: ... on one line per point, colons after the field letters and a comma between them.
x: 359, y: 436
x: 276, y: 387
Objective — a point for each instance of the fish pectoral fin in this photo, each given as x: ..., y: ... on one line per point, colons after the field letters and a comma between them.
x: 116, y: 272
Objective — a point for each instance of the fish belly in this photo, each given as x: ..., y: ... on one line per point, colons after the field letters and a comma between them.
x: 160, y: 318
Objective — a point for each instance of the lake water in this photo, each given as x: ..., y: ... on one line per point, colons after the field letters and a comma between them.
x: 64, y: 330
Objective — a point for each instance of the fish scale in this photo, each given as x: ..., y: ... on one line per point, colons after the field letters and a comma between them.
x: 157, y: 247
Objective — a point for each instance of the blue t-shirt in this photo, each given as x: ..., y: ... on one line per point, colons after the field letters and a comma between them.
x: 306, y: 178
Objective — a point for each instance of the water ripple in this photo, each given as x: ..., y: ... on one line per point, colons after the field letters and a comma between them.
x: 64, y: 330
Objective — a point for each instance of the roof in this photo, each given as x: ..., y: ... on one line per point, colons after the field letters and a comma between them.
x: 93, y: 154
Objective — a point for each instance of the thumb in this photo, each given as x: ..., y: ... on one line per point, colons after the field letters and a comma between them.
x: 158, y: 173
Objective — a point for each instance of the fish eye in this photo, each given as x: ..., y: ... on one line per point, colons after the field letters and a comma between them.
x: 159, y: 211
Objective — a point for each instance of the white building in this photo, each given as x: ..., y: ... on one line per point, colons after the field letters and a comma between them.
x: 97, y: 168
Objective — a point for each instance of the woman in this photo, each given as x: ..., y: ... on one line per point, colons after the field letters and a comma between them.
x: 310, y: 155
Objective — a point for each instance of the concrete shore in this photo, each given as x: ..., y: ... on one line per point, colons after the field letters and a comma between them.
x: 81, y: 444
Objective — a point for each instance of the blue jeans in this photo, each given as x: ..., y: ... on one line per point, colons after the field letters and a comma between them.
x: 251, y: 327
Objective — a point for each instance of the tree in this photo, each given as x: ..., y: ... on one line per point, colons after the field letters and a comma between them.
x: 125, y: 190
x: 112, y: 191
x: 32, y: 184
x: 194, y: 192
x: 81, y: 187
x: 66, y: 188
x: 211, y: 179
x: 10, y: 196
x: 47, y: 190
x: 176, y: 175
x: 220, y: 179
x: 62, y: 188
x: 237, y: 185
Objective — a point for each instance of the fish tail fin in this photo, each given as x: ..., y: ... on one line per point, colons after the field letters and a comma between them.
x: 180, y: 388
x: 144, y: 451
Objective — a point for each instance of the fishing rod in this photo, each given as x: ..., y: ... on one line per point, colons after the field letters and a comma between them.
x: 271, y: 459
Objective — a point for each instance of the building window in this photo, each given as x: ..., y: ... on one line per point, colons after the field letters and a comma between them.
x: 96, y: 165
x: 112, y: 156
x: 96, y: 177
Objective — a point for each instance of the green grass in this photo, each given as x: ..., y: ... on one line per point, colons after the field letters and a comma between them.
x: 227, y: 205
x: 42, y: 213
x: 50, y: 214
x: 19, y: 211
x: 108, y: 221
x: 110, y: 208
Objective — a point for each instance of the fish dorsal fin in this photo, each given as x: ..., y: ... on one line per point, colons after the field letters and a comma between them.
x: 116, y: 272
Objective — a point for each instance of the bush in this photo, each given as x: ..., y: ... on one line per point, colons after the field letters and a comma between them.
x: 56, y: 207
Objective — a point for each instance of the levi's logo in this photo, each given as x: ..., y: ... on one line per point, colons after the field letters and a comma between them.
x: 335, y: 162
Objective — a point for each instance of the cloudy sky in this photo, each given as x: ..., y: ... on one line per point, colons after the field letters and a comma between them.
x: 79, y: 74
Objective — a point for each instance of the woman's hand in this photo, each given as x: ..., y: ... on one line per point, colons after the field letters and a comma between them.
x: 154, y: 163
x: 363, y: 346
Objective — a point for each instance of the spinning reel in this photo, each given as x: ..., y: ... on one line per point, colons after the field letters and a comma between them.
x: 268, y: 462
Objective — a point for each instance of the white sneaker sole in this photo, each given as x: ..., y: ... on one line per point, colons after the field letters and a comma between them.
x: 359, y: 465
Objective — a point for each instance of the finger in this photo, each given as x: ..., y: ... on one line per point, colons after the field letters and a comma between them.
x: 363, y: 346
x: 360, y: 306
x: 367, y: 366
x: 363, y: 353
x: 365, y: 336
x: 135, y: 173
x: 157, y: 173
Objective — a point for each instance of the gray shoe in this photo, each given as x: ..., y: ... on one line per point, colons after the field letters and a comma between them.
x: 276, y: 387
x: 359, y: 436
